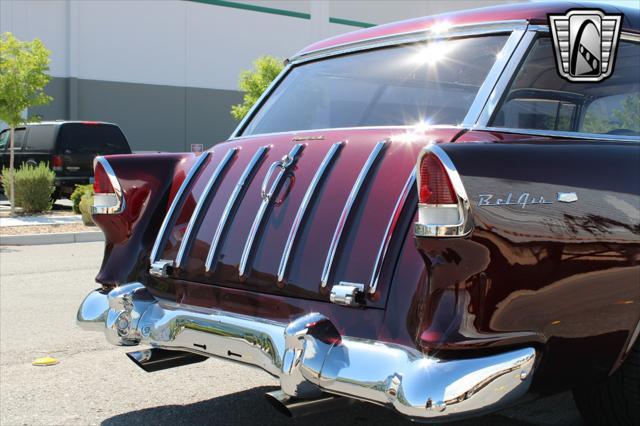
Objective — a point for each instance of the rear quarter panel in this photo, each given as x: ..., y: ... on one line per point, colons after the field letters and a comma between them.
x: 563, y: 275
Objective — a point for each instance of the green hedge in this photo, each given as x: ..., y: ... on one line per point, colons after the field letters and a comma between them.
x: 34, y: 186
x: 76, y: 196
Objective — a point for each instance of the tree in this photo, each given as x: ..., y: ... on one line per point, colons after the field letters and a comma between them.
x: 23, y: 76
x: 254, y: 82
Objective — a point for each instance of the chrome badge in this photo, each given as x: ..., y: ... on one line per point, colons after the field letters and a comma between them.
x: 523, y: 199
x: 585, y: 44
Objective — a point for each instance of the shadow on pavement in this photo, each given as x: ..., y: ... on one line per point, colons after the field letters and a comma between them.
x: 249, y: 408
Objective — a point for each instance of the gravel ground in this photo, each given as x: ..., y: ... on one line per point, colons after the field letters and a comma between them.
x: 40, y: 290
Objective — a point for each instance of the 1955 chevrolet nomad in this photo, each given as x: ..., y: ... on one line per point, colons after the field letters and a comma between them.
x: 423, y: 215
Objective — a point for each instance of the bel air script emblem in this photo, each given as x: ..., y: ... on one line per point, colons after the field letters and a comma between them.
x: 523, y: 199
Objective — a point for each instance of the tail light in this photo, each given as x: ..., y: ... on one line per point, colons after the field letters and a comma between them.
x: 107, y: 193
x: 56, y: 163
x: 443, y: 205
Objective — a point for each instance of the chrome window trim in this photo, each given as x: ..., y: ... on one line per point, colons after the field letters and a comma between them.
x: 302, y: 209
x: 177, y: 200
x: 510, y: 70
x: 434, y: 32
x: 267, y: 201
x: 236, y: 197
x: 506, y: 78
x: 493, y: 77
x: 212, y: 185
x: 117, y: 189
x: 456, y: 31
x: 561, y: 134
x: 373, y: 158
x: 258, y: 104
x: 295, y: 133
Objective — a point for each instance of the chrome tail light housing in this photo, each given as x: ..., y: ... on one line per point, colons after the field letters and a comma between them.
x: 107, y: 192
x: 443, y: 204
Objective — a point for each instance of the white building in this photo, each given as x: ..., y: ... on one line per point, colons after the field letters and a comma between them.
x: 166, y: 71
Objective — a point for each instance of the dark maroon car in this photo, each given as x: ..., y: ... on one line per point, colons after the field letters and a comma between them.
x: 423, y: 215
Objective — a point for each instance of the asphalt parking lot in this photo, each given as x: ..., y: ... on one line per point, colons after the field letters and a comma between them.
x: 94, y: 383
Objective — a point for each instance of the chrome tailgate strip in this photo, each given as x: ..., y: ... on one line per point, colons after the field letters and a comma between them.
x: 234, y: 200
x: 177, y: 202
x: 391, y: 227
x: 267, y: 201
x: 212, y: 186
x: 344, y: 216
x: 302, y: 210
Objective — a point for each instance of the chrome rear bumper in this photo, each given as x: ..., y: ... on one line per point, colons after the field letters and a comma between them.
x: 310, y: 357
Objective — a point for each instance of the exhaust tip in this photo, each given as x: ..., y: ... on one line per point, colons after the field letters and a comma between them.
x: 297, y: 407
x: 151, y: 360
x: 278, y: 399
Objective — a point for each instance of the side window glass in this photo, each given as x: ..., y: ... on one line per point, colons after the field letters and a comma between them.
x: 617, y: 114
x: 18, y: 138
x: 4, y: 140
x: 539, y: 99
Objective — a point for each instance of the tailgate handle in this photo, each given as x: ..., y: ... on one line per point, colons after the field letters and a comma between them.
x: 283, y: 164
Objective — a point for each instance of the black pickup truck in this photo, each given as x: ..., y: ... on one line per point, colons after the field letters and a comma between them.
x: 69, y: 148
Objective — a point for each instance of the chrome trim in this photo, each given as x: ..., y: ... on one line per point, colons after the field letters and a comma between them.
x: 161, y: 268
x: 511, y: 67
x: 492, y: 77
x: 455, y: 31
x: 205, y: 199
x: 177, y: 200
x: 391, y: 227
x: 465, y: 226
x: 258, y: 104
x: 117, y: 189
x: 562, y: 134
x: 295, y: 133
x: 347, y: 294
x: 627, y: 36
x: 302, y: 209
x: 310, y: 357
x: 234, y: 199
x: 267, y: 197
x: 344, y: 216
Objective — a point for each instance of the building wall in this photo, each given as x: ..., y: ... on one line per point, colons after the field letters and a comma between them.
x: 166, y: 71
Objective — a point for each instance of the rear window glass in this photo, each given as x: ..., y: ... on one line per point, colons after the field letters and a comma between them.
x: 92, y: 138
x: 41, y: 137
x: 432, y: 82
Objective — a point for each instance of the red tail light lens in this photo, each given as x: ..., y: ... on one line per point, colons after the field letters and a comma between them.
x: 101, y: 183
x: 435, y: 185
x: 57, y: 162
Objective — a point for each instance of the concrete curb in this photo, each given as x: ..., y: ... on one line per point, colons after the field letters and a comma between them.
x: 56, y: 238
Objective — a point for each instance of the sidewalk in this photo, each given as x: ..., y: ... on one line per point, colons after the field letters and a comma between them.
x: 49, y: 219
x: 57, y: 227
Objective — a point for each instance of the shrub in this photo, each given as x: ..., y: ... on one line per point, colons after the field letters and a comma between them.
x: 34, y: 186
x: 86, y: 201
x: 76, y: 196
x: 254, y: 82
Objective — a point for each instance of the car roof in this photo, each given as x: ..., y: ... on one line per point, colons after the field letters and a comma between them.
x: 61, y: 122
x: 535, y: 13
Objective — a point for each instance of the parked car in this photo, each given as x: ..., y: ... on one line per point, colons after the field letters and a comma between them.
x: 422, y: 215
x: 69, y: 147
